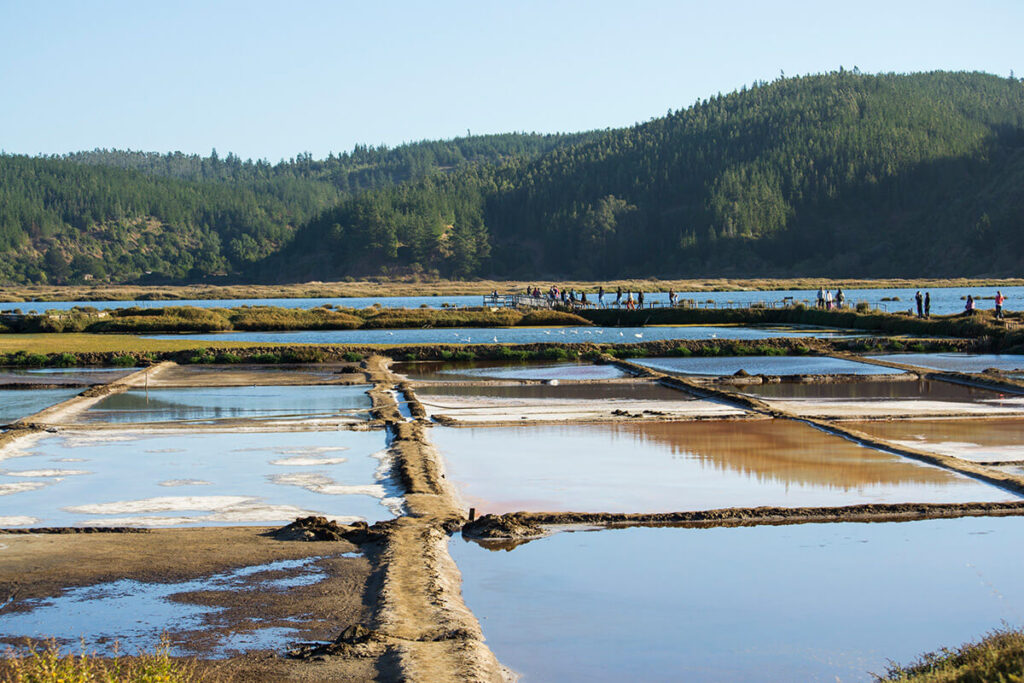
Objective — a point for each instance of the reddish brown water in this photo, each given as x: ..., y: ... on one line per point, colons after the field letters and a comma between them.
x: 667, y: 466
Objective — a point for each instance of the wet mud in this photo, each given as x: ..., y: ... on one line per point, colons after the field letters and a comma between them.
x: 520, y: 526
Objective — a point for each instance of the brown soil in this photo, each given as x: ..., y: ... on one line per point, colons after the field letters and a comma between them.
x: 42, y: 565
x: 529, y: 525
x: 252, y: 375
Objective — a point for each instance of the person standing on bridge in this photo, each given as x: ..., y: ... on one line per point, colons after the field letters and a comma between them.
x: 600, y: 296
x: 618, y: 296
x: 640, y: 299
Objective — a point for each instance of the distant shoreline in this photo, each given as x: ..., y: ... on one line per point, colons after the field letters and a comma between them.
x: 396, y: 288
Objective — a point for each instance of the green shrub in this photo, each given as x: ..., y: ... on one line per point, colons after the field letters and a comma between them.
x: 464, y: 355
x: 683, y: 351
x: 352, y: 356
x: 266, y: 358
x: 553, y: 353
x: 227, y: 358
x: 124, y: 361
x: 863, y: 307
x: 63, y: 360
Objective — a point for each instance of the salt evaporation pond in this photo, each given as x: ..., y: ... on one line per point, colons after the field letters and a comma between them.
x: 116, y: 478
x: 716, y: 366
x: 988, y: 440
x: 517, y: 335
x: 591, y: 391
x: 886, y: 398
x: 135, y: 614
x: 69, y: 376
x: 591, y: 401
x: 520, y: 370
x: 809, y: 602
x: 18, y: 403
x: 219, y: 403
x: 944, y: 300
x: 931, y: 390
x: 678, y: 466
x: 956, y: 362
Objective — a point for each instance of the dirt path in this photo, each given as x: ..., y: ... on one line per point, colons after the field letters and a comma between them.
x: 432, y: 635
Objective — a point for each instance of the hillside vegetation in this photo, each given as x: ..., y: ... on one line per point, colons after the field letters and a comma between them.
x: 833, y: 175
x: 130, y: 216
x: 838, y: 174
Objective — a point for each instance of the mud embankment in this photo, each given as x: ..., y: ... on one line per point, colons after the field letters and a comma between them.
x: 424, y: 628
x: 530, y: 525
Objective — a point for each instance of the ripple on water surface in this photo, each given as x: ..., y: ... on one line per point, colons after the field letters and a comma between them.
x: 809, y: 602
x: 670, y: 466
x: 211, y: 478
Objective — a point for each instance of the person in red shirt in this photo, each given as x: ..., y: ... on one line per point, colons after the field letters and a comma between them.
x: 999, y: 304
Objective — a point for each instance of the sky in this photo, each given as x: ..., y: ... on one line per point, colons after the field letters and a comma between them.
x: 273, y: 79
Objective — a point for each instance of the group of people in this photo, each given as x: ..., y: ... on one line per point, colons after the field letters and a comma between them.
x: 969, y: 307
x: 572, y: 297
x: 828, y: 302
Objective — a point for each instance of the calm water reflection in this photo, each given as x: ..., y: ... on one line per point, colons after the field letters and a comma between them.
x: 476, y: 370
x: 211, y: 403
x: 19, y: 403
x: 182, y: 479
x: 764, y: 365
x: 987, y: 440
x: 929, y: 390
x: 813, y: 602
x: 957, y: 362
x: 666, y: 466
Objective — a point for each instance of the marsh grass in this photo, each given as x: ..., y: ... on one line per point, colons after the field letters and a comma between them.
x: 46, y: 664
x: 998, y: 657
x: 417, y: 286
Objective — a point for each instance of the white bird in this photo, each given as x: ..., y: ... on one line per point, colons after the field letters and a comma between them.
x: 638, y: 335
x: 495, y: 339
x: 547, y: 331
x: 621, y: 335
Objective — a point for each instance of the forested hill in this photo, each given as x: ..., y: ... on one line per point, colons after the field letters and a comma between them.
x: 837, y: 174
x: 128, y: 216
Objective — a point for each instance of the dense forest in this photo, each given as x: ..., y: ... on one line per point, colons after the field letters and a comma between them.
x: 136, y: 216
x: 842, y: 174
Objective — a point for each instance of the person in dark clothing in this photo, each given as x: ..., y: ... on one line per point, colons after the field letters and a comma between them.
x: 927, y: 304
x: 920, y: 304
x: 640, y: 299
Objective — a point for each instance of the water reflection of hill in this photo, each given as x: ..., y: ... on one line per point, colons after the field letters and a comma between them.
x: 782, y: 451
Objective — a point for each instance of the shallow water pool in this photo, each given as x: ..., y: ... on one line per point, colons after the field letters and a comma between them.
x: 137, y: 613
x: 811, y: 602
x: 957, y: 362
x: 763, y: 365
x: 676, y: 466
x: 218, y: 403
x: 517, y: 335
x: 489, y: 370
x: 129, y: 478
x: 987, y: 440
x: 18, y: 403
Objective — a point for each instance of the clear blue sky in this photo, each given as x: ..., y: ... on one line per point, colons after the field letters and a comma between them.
x: 271, y: 79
